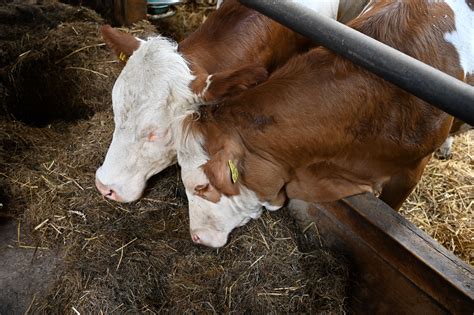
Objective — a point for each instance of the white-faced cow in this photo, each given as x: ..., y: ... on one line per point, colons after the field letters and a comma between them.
x: 321, y: 128
x: 162, y: 82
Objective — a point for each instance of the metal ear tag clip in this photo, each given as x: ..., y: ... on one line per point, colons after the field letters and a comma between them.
x: 234, y: 172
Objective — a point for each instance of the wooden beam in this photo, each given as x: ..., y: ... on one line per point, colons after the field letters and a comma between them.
x: 397, y: 268
x: 127, y: 12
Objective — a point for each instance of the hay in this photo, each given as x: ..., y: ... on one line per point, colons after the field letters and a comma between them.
x: 57, y: 70
x: 184, y: 22
x: 131, y: 257
x: 443, y: 202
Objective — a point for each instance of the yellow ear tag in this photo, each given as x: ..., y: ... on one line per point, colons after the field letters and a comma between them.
x: 122, y: 57
x: 233, y: 171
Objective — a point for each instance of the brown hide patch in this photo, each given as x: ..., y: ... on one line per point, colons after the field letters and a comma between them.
x: 261, y: 121
x: 232, y: 82
x: 234, y: 36
x: 349, y: 9
x: 207, y: 192
x: 198, y: 85
x: 122, y: 44
x: 218, y: 172
x: 324, y: 183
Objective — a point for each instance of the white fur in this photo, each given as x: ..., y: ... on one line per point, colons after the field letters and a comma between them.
x: 444, y: 150
x: 208, y: 84
x: 367, y: 7
x: 324, y: 7
x: 327, y: 8
x: 463, y: 37
x: 151, y: 91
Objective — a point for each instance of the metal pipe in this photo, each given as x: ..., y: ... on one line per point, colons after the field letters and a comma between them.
x: 429, y: 84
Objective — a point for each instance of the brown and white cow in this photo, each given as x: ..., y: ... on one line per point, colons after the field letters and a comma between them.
x: 161, y: 82
x: 321, y: 128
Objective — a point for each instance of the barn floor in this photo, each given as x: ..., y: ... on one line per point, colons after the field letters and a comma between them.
x: 25, y: 271
x: 81, y: 252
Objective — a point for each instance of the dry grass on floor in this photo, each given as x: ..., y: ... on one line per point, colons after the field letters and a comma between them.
x: 443, y: 202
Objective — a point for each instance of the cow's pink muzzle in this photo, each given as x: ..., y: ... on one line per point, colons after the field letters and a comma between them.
x: 107, y: 191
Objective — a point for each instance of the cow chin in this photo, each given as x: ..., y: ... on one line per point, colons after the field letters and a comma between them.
x: 211, y: 223
x: 209, y: 237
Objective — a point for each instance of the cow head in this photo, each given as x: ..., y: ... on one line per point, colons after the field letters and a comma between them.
x: 151, y: 92
x: 218, y: 202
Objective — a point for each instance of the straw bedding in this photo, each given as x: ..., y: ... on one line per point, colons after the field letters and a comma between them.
x: 443, y: 202
x: 55, y: 127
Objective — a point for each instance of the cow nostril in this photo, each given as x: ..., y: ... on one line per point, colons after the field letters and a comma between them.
x: 111, y: 195
x: 196, y: 239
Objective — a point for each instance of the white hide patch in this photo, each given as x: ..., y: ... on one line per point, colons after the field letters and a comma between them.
x: 463, y: 37
x: 324, y: 7
x: 208, y: 84
x: 367, y: 8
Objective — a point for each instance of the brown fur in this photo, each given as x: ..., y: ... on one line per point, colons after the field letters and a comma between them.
x: 349, y: 9
x: 120, y: 43
x: 334, y: 129
x: 234, y: 36
x: 231, y: 82
x: 470, y: 3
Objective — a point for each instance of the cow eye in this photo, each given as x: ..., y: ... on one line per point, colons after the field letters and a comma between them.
x: 152, y: 136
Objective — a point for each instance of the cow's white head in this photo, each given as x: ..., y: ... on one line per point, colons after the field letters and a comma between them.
x: 212, y: 215
x: 215, y: 212
x: 152, y: 91
x: 151, y: 96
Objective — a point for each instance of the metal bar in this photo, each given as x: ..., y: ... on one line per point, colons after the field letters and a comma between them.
x: 431, y: 85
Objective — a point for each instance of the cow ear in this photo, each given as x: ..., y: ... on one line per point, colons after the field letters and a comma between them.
x: 229, y: 83
x: 223, y: 173
x: 122, y: 44
x: 208, y: 192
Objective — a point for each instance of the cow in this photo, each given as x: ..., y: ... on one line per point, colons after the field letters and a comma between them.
x: 321, y: 128
x: 232, y: 50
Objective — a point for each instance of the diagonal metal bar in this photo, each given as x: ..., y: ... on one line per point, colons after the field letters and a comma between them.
x: 429, y: 84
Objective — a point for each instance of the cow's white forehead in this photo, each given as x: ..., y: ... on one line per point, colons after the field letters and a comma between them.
x: 156, y: 78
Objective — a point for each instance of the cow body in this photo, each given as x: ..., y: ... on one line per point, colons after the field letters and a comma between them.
x: 161, y: 82
x: 320, y: 128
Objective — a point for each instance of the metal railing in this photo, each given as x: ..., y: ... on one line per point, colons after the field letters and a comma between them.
x: 429, y: 84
